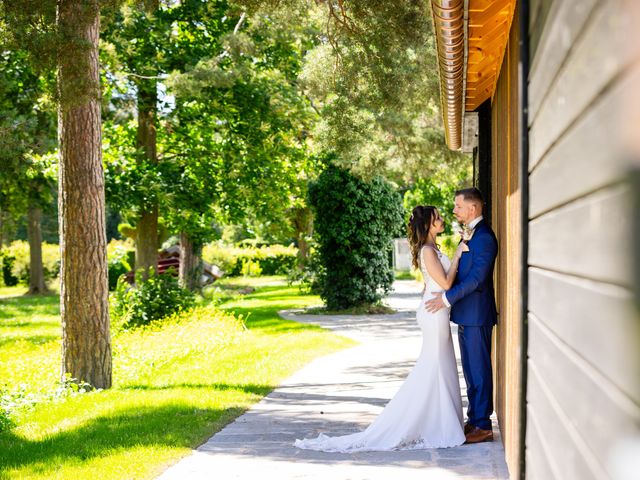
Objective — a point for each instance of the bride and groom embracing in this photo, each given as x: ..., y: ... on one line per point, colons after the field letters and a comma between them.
x: 426, y: 412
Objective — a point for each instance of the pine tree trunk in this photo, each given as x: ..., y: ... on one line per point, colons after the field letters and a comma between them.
x: 190, y: 263
x: 84, y: 307
x: 147, y: 228
x: 37, y: 284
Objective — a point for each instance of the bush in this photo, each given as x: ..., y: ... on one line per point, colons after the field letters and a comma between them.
x: 16, y: 262
x: 8, y: 278
x: 234, y: 261
x: 120, y: 258
x: 355, y: 222
x: 153, y: 299
x: 309, y: 276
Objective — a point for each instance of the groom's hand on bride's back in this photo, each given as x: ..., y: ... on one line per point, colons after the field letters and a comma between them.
x: 436, y: 303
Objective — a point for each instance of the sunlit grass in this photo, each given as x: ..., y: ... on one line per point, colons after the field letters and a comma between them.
x: 12, y: 291
x: 174, y: 385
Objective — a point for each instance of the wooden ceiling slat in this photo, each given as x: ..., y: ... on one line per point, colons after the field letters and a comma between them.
x: 487, y: 33
x: 489, y: 22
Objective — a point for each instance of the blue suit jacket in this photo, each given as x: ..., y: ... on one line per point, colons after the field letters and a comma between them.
x: 471, y: 296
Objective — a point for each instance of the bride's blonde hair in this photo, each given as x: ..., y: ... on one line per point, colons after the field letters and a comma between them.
x: 418, y: 230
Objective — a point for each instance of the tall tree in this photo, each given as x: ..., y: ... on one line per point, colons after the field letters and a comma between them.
x: 86, y: 343
x: 145, y: 41
x: 374, y: 79
x: 134, y: 37
x: 238, y: 132
x: 64, y: 35
x: 40, y: 181
x: 27, y: 123
x: 147, y: 225
x: 231, y: 142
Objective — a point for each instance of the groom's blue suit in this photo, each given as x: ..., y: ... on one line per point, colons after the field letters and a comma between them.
x: 473, y: 308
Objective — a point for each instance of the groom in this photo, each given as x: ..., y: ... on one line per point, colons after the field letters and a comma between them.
x: 473, y: 308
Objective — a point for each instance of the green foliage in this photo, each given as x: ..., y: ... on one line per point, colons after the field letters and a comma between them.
x: 251, y: 261
x: 231, y: 143
x: 153, y: 299
x: 16, y: 262
x: 427, y: 191
x: 175, y: 383
x: 355, y: 222
x: 8, y: 278
x: 6, y: 423
x: 379, y: 107
x: 309, y: 275
x: 27, y: 127
x: 251, y: 268
x: 120, y: 258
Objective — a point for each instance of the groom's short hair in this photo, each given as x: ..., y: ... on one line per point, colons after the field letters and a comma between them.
x: 471, y: 194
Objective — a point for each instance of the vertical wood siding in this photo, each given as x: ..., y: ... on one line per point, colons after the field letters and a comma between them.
x: 506, y: 219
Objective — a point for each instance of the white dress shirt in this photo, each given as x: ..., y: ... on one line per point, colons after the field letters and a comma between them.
x: 472, y: 225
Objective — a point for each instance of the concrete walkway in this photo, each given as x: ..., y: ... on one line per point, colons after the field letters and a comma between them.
x: 338, y: 394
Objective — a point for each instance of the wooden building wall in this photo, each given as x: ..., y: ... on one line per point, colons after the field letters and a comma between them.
x: 583, y: 354
x: 506, y: 209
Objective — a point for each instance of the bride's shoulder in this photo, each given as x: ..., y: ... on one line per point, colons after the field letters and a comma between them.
x: 430, y: 251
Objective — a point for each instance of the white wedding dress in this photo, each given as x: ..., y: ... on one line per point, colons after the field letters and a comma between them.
x: 427, y: 410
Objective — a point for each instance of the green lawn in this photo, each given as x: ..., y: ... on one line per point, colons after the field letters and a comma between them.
x: 174, y: 385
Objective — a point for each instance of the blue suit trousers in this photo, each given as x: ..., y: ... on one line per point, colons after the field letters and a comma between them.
x: 475, y: 353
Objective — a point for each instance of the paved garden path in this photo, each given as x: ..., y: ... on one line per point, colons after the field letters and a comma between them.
x: 338, y: 394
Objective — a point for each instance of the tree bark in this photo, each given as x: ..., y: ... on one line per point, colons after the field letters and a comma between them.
x: 84, y: 307
x: 303, y: 225
x: 190, y: 263
x: 1, y: 229
x: 37, y: 285
x: 147, y: 228
x: 147, y: 241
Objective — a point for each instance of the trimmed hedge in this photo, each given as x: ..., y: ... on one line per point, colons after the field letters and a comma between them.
x: 355, y: 223
x: 234, y: 261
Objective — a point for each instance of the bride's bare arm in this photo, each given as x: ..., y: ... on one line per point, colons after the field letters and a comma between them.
x: 436, y: 270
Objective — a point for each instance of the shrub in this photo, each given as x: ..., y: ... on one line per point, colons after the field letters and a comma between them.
x: 120, y: 257
x: 153, y: 299
x: 234, y: 261
x: 251, y: 268
x: 355, y: 222
x: 8, y: 278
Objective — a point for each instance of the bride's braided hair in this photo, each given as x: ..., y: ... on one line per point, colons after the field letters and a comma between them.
x: 418, y: 230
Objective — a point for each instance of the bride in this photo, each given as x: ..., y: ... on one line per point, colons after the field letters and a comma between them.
x: 427, y: 410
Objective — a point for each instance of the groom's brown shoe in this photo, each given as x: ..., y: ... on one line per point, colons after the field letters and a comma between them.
x: 468, y: 428
x: 478, y: 435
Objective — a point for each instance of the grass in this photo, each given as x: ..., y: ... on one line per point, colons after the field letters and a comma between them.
x: 12, y: 291
x: 175, y: 384
x: 403, y: 275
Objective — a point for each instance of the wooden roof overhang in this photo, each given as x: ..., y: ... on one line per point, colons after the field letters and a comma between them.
x: 471, y: 37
